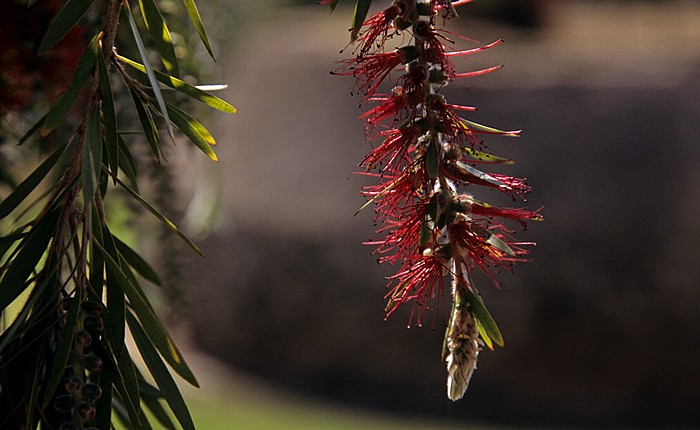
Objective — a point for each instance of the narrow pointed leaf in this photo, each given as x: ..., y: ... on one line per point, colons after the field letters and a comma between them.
x: 160, y: 373
x: 92, y: 155
x: 183, y: 87
x: 333, y: 4
x: 485, y: 318
x: 63, y: 21
x: 28, y: 185
x: 499, y: 244
x: 196, y: 19
x: 32, y: 248
x: 110, y: 120
x: 160, y: 34
x: 129, y: 388
x: 32, y: 130
x: 138, y: 263
x: 361, y: 11
x: 126, y: 163
x: 485, y: 157
x: 63, y: 103
x: 149, y: 71
x: 161, y: 217
x: 194, y: 130
x: 151, y: 398
x: 473, y: 126
x: 149, y: 126
x: 156, y: 332
x: 104, y: 403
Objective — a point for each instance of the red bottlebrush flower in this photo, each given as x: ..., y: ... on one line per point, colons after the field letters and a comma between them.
x: 401, y: 231
x: 394, y: 192
x: 371, y: 70
x: 488, y: 246
x: 392, y: 155
x: 520, y: 215
x: 417, y: 281
x: 377, y: 28
x: 400, y: 104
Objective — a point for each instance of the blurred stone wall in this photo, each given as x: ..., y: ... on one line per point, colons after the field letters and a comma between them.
x: 601, y: 328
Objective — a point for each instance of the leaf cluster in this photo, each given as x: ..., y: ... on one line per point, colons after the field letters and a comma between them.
x: 69, y: 287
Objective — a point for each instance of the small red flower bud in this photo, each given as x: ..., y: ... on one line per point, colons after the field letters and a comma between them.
x: 91, y: 391
x: 86, y: 411
x: 64, y: 402
x: 92, y: 362
x: 83, y: 337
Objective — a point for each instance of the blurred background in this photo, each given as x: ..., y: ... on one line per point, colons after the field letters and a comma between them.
x: 284, y: 320
x: 602, y: 328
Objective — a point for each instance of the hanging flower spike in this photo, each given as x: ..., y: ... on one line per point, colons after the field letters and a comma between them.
x: 427, y: 153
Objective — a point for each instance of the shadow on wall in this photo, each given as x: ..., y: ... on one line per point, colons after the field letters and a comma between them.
x: 601, y: 328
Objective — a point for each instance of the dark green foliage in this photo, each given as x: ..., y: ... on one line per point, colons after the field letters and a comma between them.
x: 67, y: 284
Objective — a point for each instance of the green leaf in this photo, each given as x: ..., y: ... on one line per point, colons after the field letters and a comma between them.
x: 156, y: 332
x: 27, y: 186
x: 473, y: 126
x: 6, y: 242
x: 63, y: 21
x: 484, y: 336
x: 116, y: 304
x: 149, y: 71
x: 183, y: 87
x: 62, y: 352
x: 149, y: 126
x: 126, y: 163
x: 92, y: 155
x: 499, y: 244
x: 333, y: 4
x: 103, y: 405
x: 110, y: 119
x: 485, y: 157
x: 64, y: 102
x: 198, y: 25
x: 31, y: 250
x: 160, y: 34
x: 32, y: 130
x: 485, y: 318
x: 138, y: 263
x: 361, y: 11
x: 129, y: 388
x: 160, y: 373
x: 194, y: 130
x: 161, y: 217
x: 151, y: 396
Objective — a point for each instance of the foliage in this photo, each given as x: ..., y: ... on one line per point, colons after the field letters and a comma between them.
x: 69, y: 287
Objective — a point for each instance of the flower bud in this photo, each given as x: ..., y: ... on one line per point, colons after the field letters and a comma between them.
x: 64, y: 402
x: 73, y: 384
x: 91, y: 391
x: 94, y: 324
x: 92, y: 363
x: 83, y: 337
x: 93, y: 307
x: 86, y: 411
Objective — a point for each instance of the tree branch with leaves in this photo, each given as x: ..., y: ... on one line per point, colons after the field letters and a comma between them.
x: 69, y: 287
